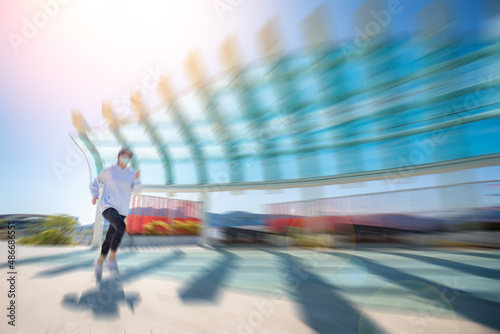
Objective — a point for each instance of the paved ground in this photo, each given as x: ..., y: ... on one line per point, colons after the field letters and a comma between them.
x: 256, y: 290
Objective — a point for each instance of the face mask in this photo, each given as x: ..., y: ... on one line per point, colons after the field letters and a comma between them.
x: 125, y: 160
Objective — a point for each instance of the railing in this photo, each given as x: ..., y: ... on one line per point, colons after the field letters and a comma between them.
x: 438, y: 208
x: 146, y: 209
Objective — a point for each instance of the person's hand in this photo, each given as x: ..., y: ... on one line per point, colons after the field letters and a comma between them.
x: 138, y: 174
x: 94, y: 200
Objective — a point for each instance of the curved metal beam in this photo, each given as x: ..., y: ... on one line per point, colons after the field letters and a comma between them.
x: 221, y: 129
x: 161, y: 147
x: 165, y: 92
x: 82, y: 127
x: 270, y: 43
x: 110, y: 118
x: 251, y: 109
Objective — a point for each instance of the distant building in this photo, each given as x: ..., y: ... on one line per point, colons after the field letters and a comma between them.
x: 22, y: 221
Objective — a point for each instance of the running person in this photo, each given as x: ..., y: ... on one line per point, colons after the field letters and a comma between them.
x: 119, y: 182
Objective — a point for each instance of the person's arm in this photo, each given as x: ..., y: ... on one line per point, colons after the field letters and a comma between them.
x: 136, y: 185
x: 96, y: 184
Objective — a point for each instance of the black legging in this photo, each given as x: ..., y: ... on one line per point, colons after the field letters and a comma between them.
x: 115, y: 231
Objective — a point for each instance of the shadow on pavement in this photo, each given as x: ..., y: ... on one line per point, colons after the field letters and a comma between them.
x: 323, y: 308
x: 467, y: 304
x: 463, y: 267
x: 104, y: 300
x: 151, y: 267
x: 88, y: 264
x: 206, y: 286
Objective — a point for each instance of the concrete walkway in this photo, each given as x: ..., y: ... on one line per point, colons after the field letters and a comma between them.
x: 256, y: 290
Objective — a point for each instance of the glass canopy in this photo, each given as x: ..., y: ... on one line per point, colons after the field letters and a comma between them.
x: 396, y: 106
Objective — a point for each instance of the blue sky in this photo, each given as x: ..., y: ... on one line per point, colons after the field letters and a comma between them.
x: 46, y: 79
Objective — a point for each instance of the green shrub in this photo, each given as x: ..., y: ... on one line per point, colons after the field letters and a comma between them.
x: 177, y: 227
x: 157, y: 227
x: 53, y: 230
x: 189, y: 227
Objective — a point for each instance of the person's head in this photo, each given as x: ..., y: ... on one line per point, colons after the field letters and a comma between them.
x: 125, y: 156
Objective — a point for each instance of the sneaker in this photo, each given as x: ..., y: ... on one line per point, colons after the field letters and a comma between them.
x: 113, y: 267
x: 97, y: 270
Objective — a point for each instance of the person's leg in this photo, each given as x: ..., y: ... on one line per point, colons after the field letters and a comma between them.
x: 117, y: 221
x: 105, y: 247
x: 121, y: 227
x: 109, y: 236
